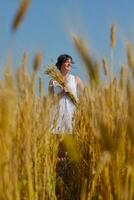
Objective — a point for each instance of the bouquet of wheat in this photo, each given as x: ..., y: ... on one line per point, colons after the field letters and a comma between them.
x: 55, y: 74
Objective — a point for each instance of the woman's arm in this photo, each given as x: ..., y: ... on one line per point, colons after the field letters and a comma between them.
x: 80, y: 84
x: 55, y: 89
x: 51, y: 87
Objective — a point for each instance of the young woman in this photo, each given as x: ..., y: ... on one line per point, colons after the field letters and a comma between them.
x: 65, y: 107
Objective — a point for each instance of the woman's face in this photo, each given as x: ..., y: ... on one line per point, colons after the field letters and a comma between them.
x: 67, y: 65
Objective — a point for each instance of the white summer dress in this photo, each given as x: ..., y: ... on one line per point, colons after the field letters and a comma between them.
x: 65, y: 107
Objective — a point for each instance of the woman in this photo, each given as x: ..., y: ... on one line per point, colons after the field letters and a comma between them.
x: 65, y: 107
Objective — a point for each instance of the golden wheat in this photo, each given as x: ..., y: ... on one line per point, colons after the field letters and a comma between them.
x: 20, y: 14
x: 56, y: 75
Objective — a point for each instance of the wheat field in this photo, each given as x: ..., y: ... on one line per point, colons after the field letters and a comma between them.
x: 99, y: 163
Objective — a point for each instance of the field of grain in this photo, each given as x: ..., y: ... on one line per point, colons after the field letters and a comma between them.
x: 99, y: 164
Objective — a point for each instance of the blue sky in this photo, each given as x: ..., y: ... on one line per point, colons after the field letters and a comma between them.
x: 47, y: 25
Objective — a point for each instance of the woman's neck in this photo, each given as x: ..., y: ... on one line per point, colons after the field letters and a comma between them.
x: 64, y: 74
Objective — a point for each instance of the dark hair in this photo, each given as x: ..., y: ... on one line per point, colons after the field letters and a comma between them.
x: 61, y: 59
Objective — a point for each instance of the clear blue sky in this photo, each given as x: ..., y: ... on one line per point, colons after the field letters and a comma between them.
x: 47, y: 24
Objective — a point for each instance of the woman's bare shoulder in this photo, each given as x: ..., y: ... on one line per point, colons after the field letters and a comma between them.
x: 77, y: 78
x: 80, y: 83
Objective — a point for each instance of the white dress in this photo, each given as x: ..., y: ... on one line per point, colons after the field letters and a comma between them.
x: 65, y: 107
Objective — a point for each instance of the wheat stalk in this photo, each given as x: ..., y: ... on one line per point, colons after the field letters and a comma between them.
x: 56, y: 75
x: 113, y: 35
x: 90, y: 63
x: 37, y: 61
x: 20, y: 14
x: 105, y: 65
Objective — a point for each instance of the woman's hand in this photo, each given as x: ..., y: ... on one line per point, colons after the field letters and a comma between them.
x: 58, y: 89
x: 64, y: 91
